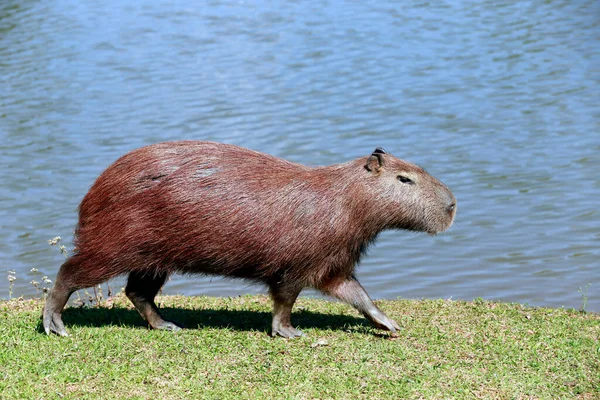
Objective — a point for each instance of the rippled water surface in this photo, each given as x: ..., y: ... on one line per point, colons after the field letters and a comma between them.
x: 498, y: 100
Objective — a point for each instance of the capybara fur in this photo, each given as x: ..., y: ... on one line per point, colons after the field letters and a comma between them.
x: 210, y: 208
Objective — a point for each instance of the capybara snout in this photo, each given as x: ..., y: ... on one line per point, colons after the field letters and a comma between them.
x: 211, y: 208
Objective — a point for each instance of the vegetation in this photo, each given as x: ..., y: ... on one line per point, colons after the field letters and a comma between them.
x: 447, y: 349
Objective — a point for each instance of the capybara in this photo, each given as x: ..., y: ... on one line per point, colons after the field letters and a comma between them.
x: 218, y: 209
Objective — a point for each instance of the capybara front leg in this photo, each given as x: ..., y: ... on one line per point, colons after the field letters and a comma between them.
x: 284, y: 297
x: 352, y: 292
x: 141, y: 289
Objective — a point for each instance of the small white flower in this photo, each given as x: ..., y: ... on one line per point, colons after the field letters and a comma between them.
x: 54, y: 241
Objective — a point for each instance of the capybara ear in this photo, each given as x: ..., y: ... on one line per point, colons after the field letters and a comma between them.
x: 376, y: 161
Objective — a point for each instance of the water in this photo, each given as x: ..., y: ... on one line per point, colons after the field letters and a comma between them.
x: 498, y: 100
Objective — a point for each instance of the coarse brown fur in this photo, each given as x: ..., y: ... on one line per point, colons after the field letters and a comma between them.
x: 203, y: 207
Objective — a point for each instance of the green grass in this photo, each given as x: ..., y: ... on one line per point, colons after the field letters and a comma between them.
x: 446, y: 349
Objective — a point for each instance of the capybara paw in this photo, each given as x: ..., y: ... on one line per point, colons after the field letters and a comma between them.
x: 288, y: 332
x: 386, y: 323
x: 55, y: 325
x: 167, y: 326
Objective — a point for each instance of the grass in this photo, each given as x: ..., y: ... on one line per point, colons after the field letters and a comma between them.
x: 446, y: 349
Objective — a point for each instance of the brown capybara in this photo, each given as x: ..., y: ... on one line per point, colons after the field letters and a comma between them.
x: 211, y: 208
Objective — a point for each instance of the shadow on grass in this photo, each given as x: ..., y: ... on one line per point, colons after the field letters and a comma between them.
x: 213, y: 318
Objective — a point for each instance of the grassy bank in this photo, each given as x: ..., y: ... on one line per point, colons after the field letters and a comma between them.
x: 447, y: 349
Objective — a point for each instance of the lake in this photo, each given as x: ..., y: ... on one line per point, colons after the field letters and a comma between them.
x: 499, y: 100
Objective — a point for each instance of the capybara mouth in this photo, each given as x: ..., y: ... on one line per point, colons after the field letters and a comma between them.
x: 443, y: 228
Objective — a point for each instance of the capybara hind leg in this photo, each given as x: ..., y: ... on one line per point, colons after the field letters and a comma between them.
x: 141, y: 289
x: 284, y: 297
x: 55, y: 302
x: 352, y: 292
x: 69, y: 279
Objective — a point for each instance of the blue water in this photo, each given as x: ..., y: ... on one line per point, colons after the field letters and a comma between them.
x: 498, y: 100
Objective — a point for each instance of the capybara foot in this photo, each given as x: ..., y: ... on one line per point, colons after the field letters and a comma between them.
x: 288, y: 332
x: 53, y: 323
x: 167, y: 326
x: 384, y: 322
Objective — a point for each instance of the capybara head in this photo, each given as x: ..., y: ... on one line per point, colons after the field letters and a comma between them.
x: 414, y: 199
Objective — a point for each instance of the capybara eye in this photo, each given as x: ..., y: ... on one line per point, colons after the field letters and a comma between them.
x: 405, y: 179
